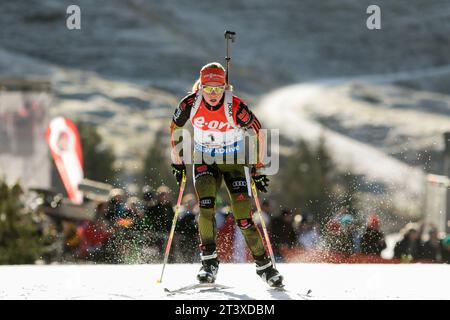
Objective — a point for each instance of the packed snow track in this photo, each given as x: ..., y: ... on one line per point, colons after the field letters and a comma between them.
x: 326, y: 281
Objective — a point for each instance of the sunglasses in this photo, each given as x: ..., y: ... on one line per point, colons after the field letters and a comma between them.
x: 211, y: 89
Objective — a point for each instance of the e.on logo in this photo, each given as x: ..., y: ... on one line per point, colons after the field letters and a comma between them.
x: 213, y: 124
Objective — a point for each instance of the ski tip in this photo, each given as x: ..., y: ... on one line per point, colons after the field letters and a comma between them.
x: 197, y: 286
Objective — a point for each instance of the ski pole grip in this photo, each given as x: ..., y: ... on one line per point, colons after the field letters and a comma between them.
x: 230, y: 35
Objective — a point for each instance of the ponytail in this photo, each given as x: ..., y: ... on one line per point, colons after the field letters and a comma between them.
x: 196, y: 85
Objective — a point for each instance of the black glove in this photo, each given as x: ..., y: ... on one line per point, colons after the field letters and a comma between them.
x: 178, y: 171
x: 261, y: 182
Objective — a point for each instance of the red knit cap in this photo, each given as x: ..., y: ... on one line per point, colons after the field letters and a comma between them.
x: 212, y: 75
x: 373, y: 221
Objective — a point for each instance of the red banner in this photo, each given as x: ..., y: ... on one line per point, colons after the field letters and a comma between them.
x: 64, y: 142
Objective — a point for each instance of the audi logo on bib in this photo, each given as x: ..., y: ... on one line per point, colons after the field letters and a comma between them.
x: 237, y: 184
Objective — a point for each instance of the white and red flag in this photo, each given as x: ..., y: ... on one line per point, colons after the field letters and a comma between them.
x: 64, y: 141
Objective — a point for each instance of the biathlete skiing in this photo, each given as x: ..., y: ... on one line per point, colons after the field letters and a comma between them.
x: 219, y: 119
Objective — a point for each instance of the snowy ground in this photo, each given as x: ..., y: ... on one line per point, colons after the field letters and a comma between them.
x: 327, y: 281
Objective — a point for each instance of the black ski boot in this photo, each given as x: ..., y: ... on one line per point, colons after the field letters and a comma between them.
x: 210, y: 266
x: 266, y: 270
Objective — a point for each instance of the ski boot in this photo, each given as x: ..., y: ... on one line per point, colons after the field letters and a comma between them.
x: 266, y: 270
x: 209, y: 269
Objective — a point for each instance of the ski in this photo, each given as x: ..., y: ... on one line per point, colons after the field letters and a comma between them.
x: 306, y: 296
x: 197, y: 286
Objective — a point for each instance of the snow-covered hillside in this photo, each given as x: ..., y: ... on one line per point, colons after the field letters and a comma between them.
x: 326, y: 281
x: 385, y: 133
x: 163, y: 43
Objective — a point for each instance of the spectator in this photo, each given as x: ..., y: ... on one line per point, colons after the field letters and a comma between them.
x: 187, y: 230
x: 127, y: 236
x: 408, y: 248
x: 148, y: 197
x: 332, y: 239
x: 283, y: 233
x: 133, y: 211
x: 307, y: 234
x: 71, y: 240
x: 373, y: 242
x: 341, y: 234
x: 431, y: 250
x: 116, y: 206
x: 94, y: 236
x: 446, y: 249
x: 346, y: 237
x: 158, y: 219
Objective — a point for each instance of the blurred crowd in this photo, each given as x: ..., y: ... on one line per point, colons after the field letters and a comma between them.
x: 133, y: 229
x: 346, y: 234
x: 136, y: 229
x: 417, y: 242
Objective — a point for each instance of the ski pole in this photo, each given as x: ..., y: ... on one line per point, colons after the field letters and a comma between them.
x: 174, y: 222
x: 263, y: 224
x: 229, y: 35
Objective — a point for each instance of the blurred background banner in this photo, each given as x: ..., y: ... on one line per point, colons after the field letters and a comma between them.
x: 24, y: 117
x: 64, y: 141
